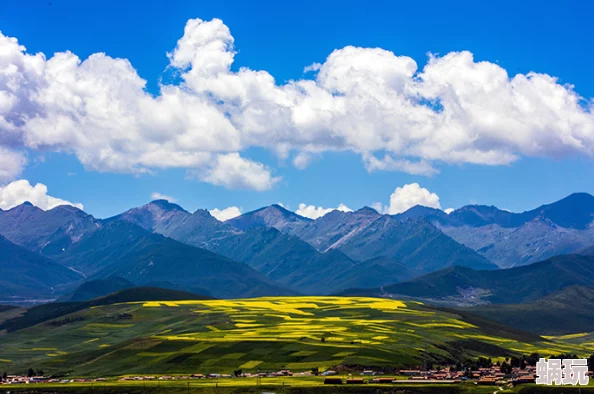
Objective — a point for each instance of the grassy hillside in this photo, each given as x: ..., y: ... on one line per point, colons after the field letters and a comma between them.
x: 568, y: 311
x: 508, y: 286
x: 45, y: 312
x: 299, y: 333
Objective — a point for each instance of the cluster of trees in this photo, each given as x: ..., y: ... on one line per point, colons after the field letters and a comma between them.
x: 472, y: 365
x: 64, y: 321
x: 30, y: 373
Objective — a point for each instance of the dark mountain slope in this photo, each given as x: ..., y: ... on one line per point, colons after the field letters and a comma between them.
x: 513, y: 285
x: 123, y: 249
x: 46, y: 232
x: 416, y: 243
x: 589, y: 251
x: 481, y: 215
x: 273, y: 216
x: 574, y: 211
x: 97, y: 288
x: 568, y: 311
x: 365, y: 234
x: 296, y: 264
x: 27, y: 274
x: 374, y: 272
x: 419, y: 211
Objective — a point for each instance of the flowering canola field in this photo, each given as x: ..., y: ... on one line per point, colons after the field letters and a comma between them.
x: 299, y: 333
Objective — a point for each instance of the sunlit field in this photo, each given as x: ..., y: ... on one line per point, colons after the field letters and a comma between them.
x: 297, y: 333
x: 268, y: 385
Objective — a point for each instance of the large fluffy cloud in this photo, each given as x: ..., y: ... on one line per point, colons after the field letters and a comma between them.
x: 408, y: 196
x: 17, y: 192
x: 313, y: 212
x: 365, y: 100
x: 226, y: 213
x: 234, y: 172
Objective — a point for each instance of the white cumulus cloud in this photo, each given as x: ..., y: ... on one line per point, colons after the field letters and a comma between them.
x: 18, y: 192
x: 302, y: 160
x: 11, y: 163
x: 449, y: 210
x: 160, y: 196
x: 225, y: 214
x: 397, y: 115
x: 406, y: 197
x: 313, y: 212
x: 235, y: 172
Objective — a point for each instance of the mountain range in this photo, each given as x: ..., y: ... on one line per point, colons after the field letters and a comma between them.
x: 290, y: 249
x: 273, y: 251
x: 512, y: 239
x: 517, y: 285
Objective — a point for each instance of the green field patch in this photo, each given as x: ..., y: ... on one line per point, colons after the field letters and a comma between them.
x: 304, y: 353
x: 111, y: 326
x: 248, y: 325
x: 485, y: 338
x: 233, y: 356
x: 198, y: 348
x: 309, y: 365
x: 153, y: 354
x: 343, y: 354
x: 250, y: 364
x: 568, y: 336
x: 3, y: 360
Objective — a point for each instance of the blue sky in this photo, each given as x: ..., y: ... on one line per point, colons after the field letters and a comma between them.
x: 283, y: 39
